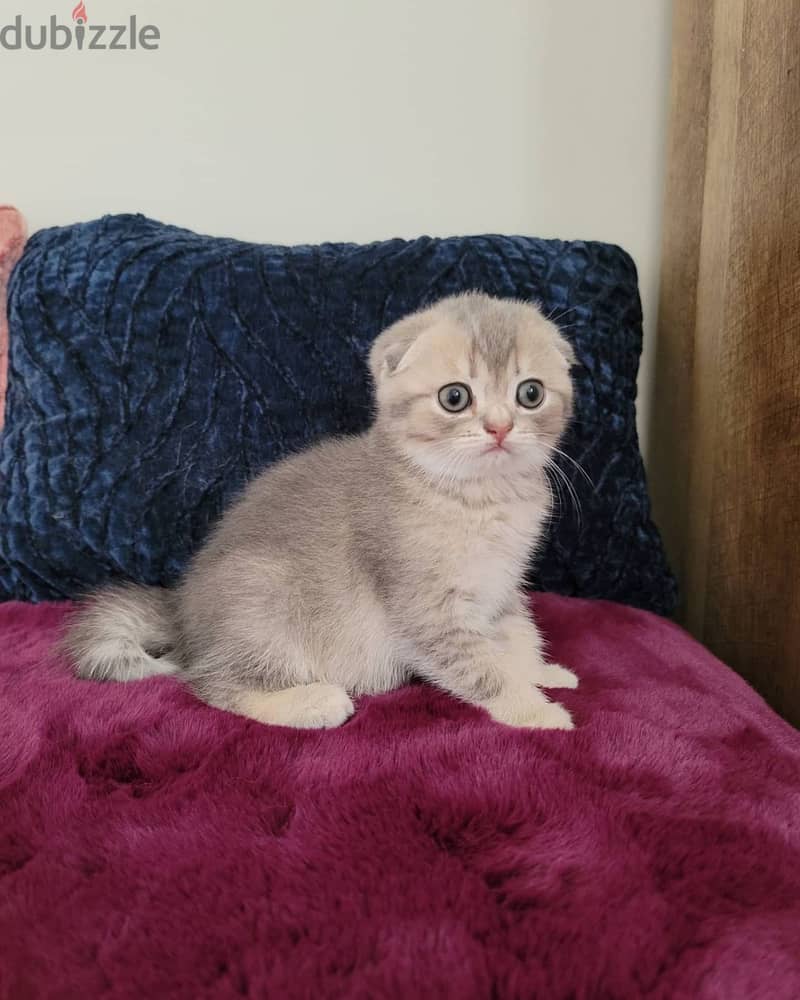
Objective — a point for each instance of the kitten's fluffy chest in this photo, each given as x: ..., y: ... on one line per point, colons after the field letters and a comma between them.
x: 482, y: 553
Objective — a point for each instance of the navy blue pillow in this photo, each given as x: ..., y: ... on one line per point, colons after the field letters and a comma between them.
x: 153, y: 371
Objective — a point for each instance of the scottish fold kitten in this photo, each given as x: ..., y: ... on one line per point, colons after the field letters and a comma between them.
x: 360, y: 562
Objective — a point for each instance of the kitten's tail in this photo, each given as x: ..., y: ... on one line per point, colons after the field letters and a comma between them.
x: 122, y: 633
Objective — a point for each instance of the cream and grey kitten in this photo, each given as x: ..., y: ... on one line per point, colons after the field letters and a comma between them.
x: 360, y: 562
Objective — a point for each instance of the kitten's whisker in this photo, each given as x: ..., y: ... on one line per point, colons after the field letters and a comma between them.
x: 565, y: 312
x: 572, y: 495
x: 550, y: 466
x: 577, y: 465
x: 554, y: 489
x: 570, y: 489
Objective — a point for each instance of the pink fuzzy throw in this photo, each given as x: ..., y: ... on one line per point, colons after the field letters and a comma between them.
x: 151, y: 846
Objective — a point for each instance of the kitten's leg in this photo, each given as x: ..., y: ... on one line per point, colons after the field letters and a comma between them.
x: 490, y: 673
x: 307, y: 706
x: 525, y: 643
x: 248, y: 667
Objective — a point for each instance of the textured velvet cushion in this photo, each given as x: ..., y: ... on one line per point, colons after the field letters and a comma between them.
x: 154, y: 371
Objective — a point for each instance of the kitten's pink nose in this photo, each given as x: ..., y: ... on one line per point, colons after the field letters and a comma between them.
x: 499, y: 429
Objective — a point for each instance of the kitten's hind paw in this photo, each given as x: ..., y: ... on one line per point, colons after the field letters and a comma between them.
x: 307, y: 706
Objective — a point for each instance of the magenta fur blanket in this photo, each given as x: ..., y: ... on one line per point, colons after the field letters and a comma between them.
x: 153, y: 847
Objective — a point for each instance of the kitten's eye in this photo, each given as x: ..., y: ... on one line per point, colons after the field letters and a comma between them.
x: 530, y: 393
x: 455, y: 398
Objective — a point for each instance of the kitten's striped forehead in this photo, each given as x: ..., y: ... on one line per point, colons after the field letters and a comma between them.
x: 492, y: 326
x: 497, y: 347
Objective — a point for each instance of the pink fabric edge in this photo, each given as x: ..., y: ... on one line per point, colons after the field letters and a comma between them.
x: 13, y: 234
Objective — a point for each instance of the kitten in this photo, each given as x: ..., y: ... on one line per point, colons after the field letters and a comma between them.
x: 360, y: 562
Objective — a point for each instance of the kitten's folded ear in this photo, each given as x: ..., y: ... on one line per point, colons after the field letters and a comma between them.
x: 393, y: 344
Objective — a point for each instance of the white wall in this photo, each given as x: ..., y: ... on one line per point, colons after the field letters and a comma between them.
x: 307, y: 120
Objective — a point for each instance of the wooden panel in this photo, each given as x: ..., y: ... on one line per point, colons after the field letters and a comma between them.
x: 739, y: 549
x: 752, y: 613
x: 711, y: 324
x: 668, y: 444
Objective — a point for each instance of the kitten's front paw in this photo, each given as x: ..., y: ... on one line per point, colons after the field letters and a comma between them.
x: 532, y: 715
x: 553, y: 675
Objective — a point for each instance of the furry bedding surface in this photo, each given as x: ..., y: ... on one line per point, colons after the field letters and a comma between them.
x: 151, y: 846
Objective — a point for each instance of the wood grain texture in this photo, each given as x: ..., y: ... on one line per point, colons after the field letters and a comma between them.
x: 668, y: 445
x: 735, y: 533
x: 712, y: 290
